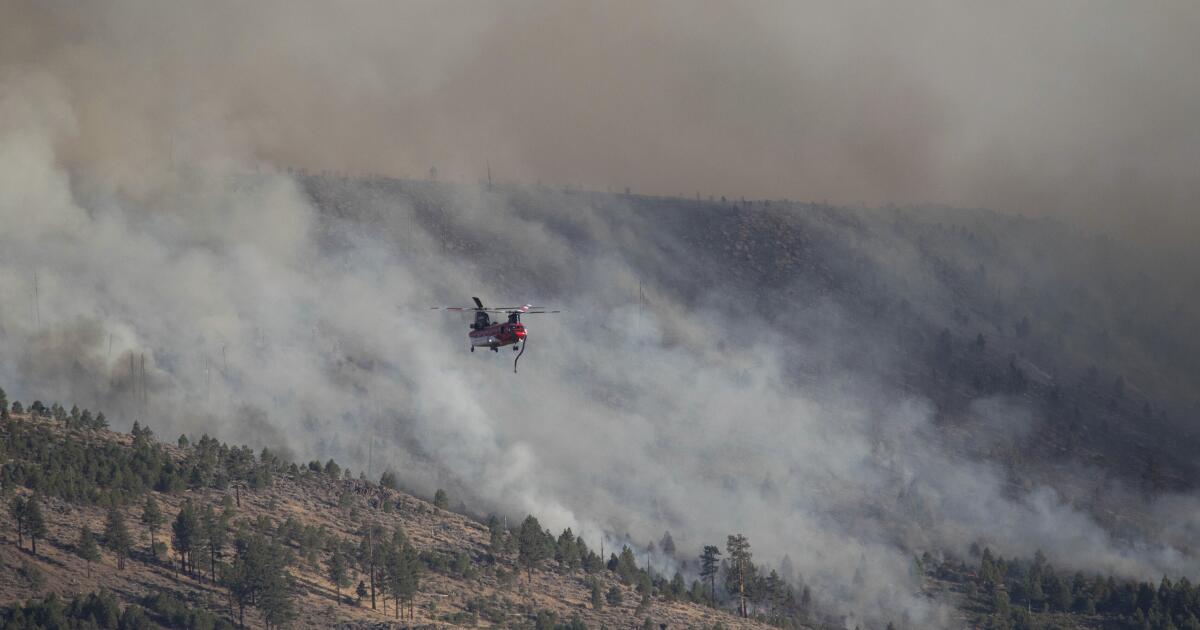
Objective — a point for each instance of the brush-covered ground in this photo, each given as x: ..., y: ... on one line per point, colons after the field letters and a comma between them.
x: 467, y: 574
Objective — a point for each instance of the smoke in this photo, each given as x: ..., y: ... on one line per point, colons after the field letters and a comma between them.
x: 142, y: 181
x: 1082, y: 110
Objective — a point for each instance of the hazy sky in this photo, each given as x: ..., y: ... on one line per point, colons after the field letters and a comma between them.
x: 1080, y: 107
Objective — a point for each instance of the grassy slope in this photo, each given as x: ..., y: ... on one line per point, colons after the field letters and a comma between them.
x: 314, y: 501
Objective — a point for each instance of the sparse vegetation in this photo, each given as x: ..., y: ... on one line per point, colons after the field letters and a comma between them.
x: 259, y: 559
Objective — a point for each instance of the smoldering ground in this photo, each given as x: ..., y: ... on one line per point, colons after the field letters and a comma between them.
x: 141, y: 182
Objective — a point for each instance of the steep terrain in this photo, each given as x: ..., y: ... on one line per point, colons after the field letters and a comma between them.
x: 952, y: 305
x: 465, y: 581
x: 851, y: 388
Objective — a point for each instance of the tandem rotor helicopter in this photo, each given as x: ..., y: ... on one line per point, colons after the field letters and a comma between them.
x: 494, y: 335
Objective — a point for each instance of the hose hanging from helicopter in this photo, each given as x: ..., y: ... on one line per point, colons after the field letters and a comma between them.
x: 523, y: 346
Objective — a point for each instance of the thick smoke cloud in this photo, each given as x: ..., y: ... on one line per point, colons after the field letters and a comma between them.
x: 1082, y: 108
x: 141, y: 181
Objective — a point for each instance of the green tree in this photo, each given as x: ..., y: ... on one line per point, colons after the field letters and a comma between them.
x: 667, y: 545
x: 337, y: 571
x: 87, y: 548
x: 152, y: 518
x: 35, y: 522
x: 531, y: 545
x: 741, y: 569
x: 257, y: 575
x: 332, y: 470
x: 441, y: 500
x: 614, y: 597
x: 597, y: 596
x: 627, y: 568
x: 185, y: 535
x: 566, y: 550
x: 19, y: 508
x: 388, y: 480
x: 370, y: 556
x: 215, y: 532
x: 116, y: 536
x: 678, y: 586
x: 3, y: 405
x: 276, y: 601
x: 408, y: 576
x: 709, y: 564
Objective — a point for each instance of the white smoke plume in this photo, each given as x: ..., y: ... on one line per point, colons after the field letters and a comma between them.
x: 146, y: 211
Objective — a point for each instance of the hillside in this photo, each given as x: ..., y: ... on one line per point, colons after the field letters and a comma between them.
x: 467, y: 575
x: 850, y: 388
x: 1092, y: 336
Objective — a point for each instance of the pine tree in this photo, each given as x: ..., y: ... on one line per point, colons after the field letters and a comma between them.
x: 741, y: 569
x: 441, y: 499
x: 667, y: 545
x: 627, y: 568
x: 185, y: 535
x: 678, y: 586
x: 152, y: 518
x: 337, y: 571
x: 614, y: 597
x: 87, y: 548
x: 19, y: 510
x: 3, y: 405
x: 35, y: 523
x: 116, y: 536
x: 597, y: 596
x: 369, y: 556
x: 531, y: 545
x: 709, y: 562
x: 388, y: 480
x: 566, y: 549
x: 215, y: 531
x: 275, y: 601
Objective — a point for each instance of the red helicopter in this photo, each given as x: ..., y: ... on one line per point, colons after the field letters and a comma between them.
x: 486, y: 333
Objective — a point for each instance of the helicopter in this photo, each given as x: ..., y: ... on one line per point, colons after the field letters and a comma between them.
x: 497, y: 334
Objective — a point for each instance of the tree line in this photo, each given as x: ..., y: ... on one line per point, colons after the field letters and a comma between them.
x: 1011, y: 594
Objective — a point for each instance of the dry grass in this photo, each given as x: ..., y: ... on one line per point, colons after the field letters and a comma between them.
x: 314, y: 501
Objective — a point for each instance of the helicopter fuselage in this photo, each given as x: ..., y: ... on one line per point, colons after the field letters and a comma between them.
x: 497, y: 335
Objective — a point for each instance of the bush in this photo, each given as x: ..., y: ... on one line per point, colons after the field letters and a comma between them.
x: 175, y: 614
x: 31, y: 575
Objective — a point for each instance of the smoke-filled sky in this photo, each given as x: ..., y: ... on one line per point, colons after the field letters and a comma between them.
x: 129, y: 130
x: 1079, y: 107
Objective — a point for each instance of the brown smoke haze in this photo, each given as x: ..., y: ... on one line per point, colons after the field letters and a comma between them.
x: 1082, y: 109
x: 134, y: 226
